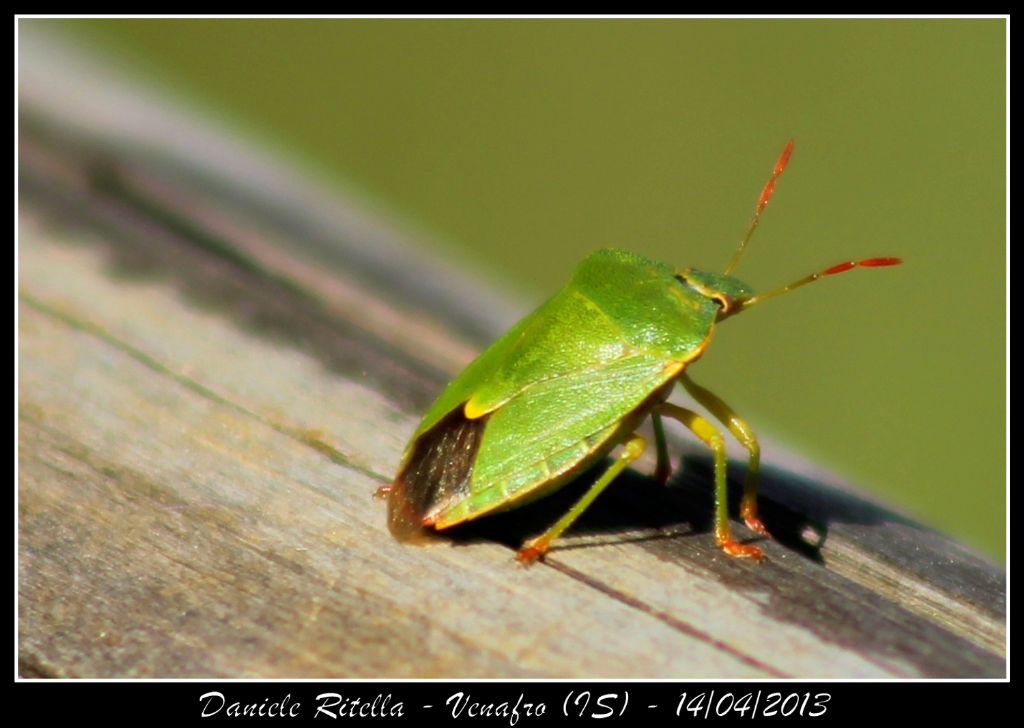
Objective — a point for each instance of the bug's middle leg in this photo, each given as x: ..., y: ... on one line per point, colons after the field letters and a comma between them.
x: 742, y: 432
x: 537, y: 547
x: 707, y: 432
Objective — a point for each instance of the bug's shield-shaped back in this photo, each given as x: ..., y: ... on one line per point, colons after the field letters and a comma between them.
x: 436, y: 472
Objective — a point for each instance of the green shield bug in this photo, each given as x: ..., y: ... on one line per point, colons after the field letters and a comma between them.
x: 573, y: 380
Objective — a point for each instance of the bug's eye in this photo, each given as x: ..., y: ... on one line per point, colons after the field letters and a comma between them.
x: 725, y: 301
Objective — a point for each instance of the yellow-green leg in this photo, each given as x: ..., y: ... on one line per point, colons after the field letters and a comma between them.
x: 537, y: 547
x: 707, y: 432
x: 742, y: 432
x: 664, y: 467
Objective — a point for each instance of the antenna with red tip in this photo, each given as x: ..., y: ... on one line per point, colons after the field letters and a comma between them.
x: 745, y: 302
x: 762, y: 202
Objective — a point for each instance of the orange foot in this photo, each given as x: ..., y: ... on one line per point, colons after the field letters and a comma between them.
x: 756, y: 525
x: 382, y: 492
x: 748, y: 512
x: 742, y: 550
x: 529, y: 553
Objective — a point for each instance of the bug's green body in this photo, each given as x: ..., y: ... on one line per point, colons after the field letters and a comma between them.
x: 563, y: 386
x: 571, y: 381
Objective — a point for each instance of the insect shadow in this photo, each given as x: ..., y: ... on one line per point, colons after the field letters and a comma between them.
x: 637, y: 508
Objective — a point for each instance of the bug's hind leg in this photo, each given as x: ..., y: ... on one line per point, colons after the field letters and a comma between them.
x: 538, y: 546
x: 707, y: 432
x: 742, y: 432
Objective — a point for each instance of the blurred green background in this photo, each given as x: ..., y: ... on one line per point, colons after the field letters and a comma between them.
x: 522, y: 145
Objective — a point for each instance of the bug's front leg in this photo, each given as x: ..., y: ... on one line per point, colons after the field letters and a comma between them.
x: 742, y: 432
x: 714, y: 439
x: 537, y: 547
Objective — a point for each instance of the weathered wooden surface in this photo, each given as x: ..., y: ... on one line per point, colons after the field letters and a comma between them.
x: 217, y: 370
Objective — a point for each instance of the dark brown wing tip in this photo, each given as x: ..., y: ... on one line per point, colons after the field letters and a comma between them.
x: 436, y: 474
x: 405, y: 519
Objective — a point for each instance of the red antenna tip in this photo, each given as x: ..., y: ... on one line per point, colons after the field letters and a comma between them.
x: 783, y: 158
x: 877, y: 262
x: 866, y: 263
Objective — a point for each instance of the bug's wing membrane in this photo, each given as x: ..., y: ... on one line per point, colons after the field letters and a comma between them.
x: 436, y: 471
x: 533, y: 441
